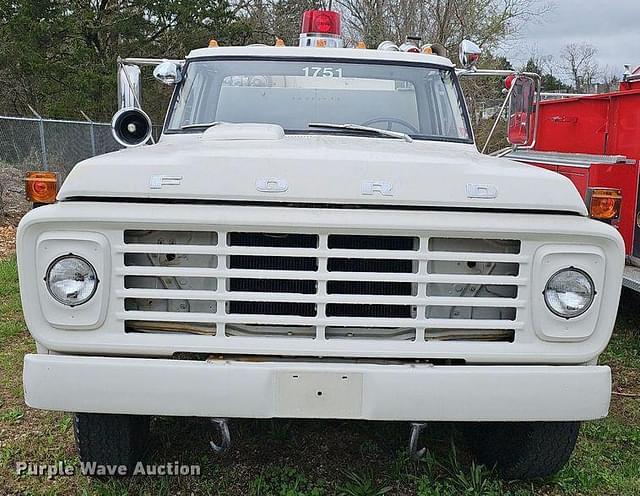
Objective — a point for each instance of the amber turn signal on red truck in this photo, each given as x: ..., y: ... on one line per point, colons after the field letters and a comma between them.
x: 604, y: 203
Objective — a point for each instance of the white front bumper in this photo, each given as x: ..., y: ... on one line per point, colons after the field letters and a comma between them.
x: 316, y: 390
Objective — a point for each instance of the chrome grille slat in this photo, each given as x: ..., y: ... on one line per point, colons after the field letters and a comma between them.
x: 329, y: 298
x: 254, y: 284
x: 321, y: 321
x: 295, y: 252
x: 319, y: 252
x: 320, y: 275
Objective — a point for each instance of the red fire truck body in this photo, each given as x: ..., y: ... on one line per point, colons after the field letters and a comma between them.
x: 594, y: 140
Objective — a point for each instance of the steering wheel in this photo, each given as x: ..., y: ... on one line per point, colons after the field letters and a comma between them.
x: 390, y: 122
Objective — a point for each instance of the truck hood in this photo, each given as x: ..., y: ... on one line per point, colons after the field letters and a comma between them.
x: 320, y: 169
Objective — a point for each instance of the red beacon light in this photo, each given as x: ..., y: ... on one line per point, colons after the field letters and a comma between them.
x: 509, y: 80
x: 321, y: 28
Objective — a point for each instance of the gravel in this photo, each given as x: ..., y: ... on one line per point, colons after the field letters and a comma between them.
x: 7, y: 241
x: 13, y: 204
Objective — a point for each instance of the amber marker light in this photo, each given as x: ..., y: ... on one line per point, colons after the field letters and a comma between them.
x: 41, y: 187
x: 604, y: 203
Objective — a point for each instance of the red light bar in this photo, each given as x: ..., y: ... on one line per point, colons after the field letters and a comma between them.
x: 321, y: 21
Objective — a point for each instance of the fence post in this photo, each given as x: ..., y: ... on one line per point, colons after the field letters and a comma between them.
x: 92, y: 131
x: 43, y: 144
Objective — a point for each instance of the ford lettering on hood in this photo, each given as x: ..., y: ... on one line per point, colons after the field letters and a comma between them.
x: 268, y: 166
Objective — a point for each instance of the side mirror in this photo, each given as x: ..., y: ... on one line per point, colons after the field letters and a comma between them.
x: 128, y: 86
x: 131, y: 127
x: 469, y: 54
x: 168, y: 73
x: 521, y: 109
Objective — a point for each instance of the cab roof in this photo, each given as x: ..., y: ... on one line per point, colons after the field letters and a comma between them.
x: 332, y: 53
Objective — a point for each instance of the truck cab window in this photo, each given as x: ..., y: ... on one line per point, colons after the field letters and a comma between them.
x: 418, y: 100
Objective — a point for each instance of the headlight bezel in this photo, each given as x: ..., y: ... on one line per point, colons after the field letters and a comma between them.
x: 82, y: 259
x: 585, y: 308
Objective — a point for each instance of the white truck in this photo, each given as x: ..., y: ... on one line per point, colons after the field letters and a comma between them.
x: 315, y: 235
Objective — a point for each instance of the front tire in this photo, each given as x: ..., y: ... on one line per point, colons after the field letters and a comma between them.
x: 108, y: 439
x: 523, y: 450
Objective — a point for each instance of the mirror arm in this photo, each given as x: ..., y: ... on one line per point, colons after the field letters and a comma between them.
x: 497, y: 120
x: 494, y: 72
x: 151, y: 62
x: 465, y: 72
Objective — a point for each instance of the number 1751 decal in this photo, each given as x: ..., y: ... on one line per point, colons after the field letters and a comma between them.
x: 323, y: 72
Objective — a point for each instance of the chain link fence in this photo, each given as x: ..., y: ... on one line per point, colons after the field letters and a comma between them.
x: 33, y: 143
x: 49, y: 144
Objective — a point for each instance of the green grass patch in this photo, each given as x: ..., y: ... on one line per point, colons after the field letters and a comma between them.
x: 12, y: 415
x: 11, y: 323
x: 606, y: 459
x: 284, y: 481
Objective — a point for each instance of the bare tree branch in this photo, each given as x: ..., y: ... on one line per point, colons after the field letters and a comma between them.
x: 579, y: 64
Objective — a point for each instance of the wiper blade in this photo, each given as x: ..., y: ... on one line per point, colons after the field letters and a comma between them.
x: 366, y: 129
x: 205, y: 125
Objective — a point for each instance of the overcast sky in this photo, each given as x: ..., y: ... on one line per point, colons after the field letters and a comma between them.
x: 613, y: 26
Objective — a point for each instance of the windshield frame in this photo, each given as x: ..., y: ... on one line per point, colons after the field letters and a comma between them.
x: 348, y: 60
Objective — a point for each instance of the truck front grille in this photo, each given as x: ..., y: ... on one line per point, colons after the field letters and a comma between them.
x: 322, y: 286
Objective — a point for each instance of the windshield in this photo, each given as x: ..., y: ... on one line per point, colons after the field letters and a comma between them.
x: 418, y: 100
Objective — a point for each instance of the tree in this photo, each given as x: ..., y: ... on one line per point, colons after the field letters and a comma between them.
x: 549, y: 82
x: 580, y: 65
x: 448, y: 22
x: 60, y: 56
x: 366, y: 20
x: 610, y: 80
x: 268, y: 19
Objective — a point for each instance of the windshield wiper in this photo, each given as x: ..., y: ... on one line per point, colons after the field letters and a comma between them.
x: 366, y: 129
x: 205, y: 125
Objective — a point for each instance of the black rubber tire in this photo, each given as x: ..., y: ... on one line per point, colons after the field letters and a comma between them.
x: 522, y: 450
x: 107, y: 439
x: 629, y: 300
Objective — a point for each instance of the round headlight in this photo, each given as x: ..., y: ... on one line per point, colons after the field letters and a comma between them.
x: 71, y: 280
x: 569, y: 292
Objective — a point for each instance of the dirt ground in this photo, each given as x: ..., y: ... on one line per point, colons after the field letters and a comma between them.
x: 7, y: 241
x: 13, y: 204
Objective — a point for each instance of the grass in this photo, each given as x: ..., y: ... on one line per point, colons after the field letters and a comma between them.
x: 311, y: 458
